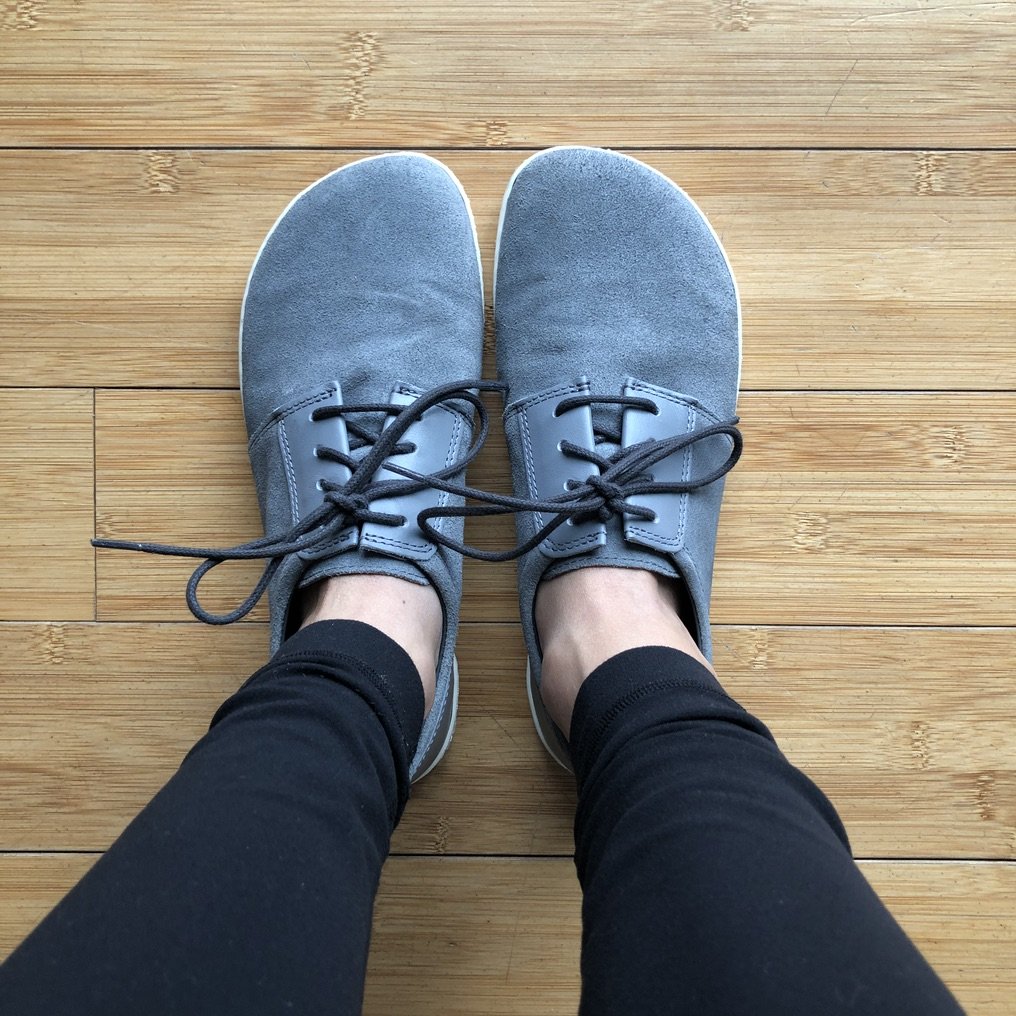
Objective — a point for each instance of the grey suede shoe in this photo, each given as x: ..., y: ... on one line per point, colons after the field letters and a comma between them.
x: 361, y: 328
x: 618, y: 336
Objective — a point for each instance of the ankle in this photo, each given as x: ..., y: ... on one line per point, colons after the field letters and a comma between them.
x: 408, y: 613
x: 587, y: 616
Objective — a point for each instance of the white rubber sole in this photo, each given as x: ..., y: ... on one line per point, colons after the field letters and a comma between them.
x: 536, y: 707
x: 454, y: 692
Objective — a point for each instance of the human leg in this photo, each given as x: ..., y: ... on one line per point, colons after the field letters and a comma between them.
x: 717, y: 877
x: 247, y: 884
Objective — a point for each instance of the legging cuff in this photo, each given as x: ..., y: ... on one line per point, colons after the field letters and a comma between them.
x: 649, y: 678
x: 365, y: 660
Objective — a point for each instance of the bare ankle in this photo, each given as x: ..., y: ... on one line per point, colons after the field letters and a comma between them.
x: 408, y: 613
x: 587, y: 616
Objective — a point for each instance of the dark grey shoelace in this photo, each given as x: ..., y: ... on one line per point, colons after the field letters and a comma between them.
x: 343, y: 504
x: 623, y: 474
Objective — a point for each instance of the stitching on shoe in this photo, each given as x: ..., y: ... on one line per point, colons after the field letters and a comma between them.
x: 678, y: 539
x: 694, y: 409
x: 580, y: 541
x: 527, y: 461
x: 391, y: 541
x: 682, y: 518
x: 674, y: 397
x: 535, y: 400
x: 443, y: 496
x: 452, y: 445
x: 287, y: 460
x: 403, y: 388
x: 620, y: 558
x: 284, y: 412
x: 337, y: 544
x: 458, y: 421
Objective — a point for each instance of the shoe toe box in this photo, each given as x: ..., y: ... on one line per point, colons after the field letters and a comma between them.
x: 369, y: 277
x: 607, y: 269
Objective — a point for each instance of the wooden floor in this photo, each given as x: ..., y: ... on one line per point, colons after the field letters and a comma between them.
x: 857, y: 158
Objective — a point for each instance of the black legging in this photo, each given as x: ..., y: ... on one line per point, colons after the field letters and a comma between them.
x: 717, y: 878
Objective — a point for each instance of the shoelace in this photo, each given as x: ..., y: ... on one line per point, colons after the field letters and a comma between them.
x: 623, y: 474
x: 343, y: 504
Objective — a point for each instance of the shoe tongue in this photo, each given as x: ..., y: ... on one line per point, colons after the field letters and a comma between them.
x: 358, y: 454
x: 360, y: 384
x: 606, y: 420
x: 363, y: 393
x: 606, y: 448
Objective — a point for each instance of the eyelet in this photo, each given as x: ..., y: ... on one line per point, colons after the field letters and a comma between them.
x: 569, y: 522
x: 319, y: 485
x: 315, y: 451
x: 559, y: 448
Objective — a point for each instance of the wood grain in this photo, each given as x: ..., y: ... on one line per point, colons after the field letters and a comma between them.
x: 502, y: 934
x: 706, y: 72
x: 46, y: 514
x: 857, y: 269
x: 855, y: 156
x: 846, y: 509
x: 99, y: 716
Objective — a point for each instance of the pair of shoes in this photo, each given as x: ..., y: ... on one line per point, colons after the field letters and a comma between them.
x: 618, y: 349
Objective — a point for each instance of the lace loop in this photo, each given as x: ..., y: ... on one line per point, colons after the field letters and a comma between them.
x: 623, y: 475
x: 319, y: 532
x: 620, y: 476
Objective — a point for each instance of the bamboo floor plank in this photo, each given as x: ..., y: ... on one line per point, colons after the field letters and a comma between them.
x: 502, y: 934
x: 908, y: 731
x: 834, y: 72
x: 46, y: 509
x: 858, y: 270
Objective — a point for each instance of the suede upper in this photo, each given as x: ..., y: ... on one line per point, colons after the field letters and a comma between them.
x: 367, y: 290
x: 371, y: 276
x: 609, y: 281
x: 606, y: 269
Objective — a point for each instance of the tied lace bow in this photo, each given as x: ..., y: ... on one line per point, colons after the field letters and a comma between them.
x: 318, y: 533
x: 622, y: 475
